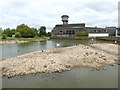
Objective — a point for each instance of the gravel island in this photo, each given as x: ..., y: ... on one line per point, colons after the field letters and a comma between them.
x: 58, y: 60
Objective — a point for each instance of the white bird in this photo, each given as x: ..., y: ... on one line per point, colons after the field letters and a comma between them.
x: 91, y: 41
x: 115, y: 41
x: 58, y: 45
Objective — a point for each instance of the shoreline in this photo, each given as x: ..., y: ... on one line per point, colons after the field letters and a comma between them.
x: 57, y: 60
x: 12, y: 42
x: 110, y: 48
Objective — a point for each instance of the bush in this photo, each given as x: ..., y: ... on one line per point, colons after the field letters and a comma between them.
x: 17, y: 35
x: 81, y: 34
x: 9, y: 32
x: 36, y: 36
x: 4, y: 36
x: 42, y: 31
x: 48, y: 34
x: 26, y: 31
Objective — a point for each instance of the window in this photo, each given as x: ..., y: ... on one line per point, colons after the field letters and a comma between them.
x: 95, y: 30
x: 60, y: 31
x: 98, y: 30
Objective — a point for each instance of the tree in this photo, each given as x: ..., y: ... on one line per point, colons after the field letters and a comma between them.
x: 17, y: 35
x: 35, y: 30
x: 4, y: 36
x: 1, y: 31
x: 49, y: 34
x: 25, y: 31
x: 9, y: 32
x: 42, y: 31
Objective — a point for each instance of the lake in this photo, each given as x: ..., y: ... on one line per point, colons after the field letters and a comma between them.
x: 76, y: 78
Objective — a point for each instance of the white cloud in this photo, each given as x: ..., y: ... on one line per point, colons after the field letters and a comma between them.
x: 37, y: 13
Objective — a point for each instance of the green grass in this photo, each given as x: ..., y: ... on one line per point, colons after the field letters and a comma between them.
x: 71, y: 37
x: 29, y: 39
x: 108, y: 38
x: 43, y: 39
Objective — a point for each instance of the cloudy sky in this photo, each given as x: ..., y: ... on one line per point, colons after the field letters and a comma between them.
x: 36, y: 13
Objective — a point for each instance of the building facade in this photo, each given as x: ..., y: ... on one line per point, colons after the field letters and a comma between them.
x: 66, y: 29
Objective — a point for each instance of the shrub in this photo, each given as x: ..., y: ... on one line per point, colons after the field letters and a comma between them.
x: 36, y: 36
x: 80, y: 34
x: 48, y: 34
x: 26, y: 31
x: 9, y: 32
x: 17, y: 35
x: 4, y: 36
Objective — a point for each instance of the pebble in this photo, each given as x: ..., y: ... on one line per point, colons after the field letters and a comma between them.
x: 112, y: 64
x: 87, y: 47
x: 118, y: 63
x: 96, y: 53
x: 45, y: 66
x: 68, y: 69
x: 104, y: 68
x: 97, y: 68
x: 104, y: 58
x: 67, y: 66
x: 115, y: 59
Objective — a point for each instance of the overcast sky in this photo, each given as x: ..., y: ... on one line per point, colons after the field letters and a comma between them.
x: 36, y: 13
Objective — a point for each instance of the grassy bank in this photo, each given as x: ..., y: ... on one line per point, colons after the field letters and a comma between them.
x: 22, y: 40
x: 108, y: 38
x: 26, y: 39
x: 70, y: 37
x: 86, y: 38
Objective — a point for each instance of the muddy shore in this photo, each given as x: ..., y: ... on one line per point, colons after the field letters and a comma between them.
x: 58, y: 60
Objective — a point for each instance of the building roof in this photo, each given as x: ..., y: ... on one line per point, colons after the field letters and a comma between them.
x: 74, y: 24
x: 64, y: 16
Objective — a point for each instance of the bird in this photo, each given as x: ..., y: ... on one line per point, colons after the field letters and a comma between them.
x: 91, y: 41
x: 58, y: 45
x: 115, y: 41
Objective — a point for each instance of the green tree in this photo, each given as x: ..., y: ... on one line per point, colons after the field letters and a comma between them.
x: 4, y: 36
x: 35, y: 30
x: 42, y: 31
x: 49, y: 34
x: 25, y: 31
x: 1, y: 31
x: 9, y: 32
x: 17, y: 35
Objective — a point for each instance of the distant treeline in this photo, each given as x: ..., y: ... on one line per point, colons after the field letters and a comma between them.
x: 24, y: 31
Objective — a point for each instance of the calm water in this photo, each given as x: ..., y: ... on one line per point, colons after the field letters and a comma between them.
x: 13, y: 50
x: 77, y: 77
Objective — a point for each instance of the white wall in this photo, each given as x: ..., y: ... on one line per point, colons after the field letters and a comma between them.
x: 98, y: 34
